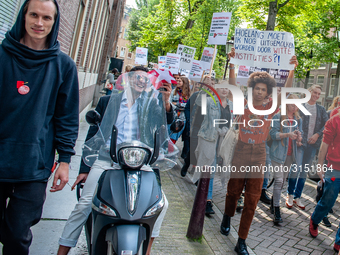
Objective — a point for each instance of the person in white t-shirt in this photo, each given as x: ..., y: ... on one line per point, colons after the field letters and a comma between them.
x: 312, y: 126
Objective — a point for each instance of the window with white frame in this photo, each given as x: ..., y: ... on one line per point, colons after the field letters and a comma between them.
x: 334, y: 81
x: 126, y: 30
x: 311, y: 80
x: 320, y: 80
x: 120, y: 32
x: 122, y: 52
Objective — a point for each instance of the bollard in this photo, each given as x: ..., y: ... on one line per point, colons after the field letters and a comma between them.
x: 196, y: 223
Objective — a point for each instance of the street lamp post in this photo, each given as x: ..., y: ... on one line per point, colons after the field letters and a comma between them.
x: 229, y: 43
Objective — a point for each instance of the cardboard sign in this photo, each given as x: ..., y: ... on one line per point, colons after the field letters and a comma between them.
x: 141, y: 56
x: 172, y: 62
x: 161, y: 62
x: 187, y: 56
x: 207, y: 57
x: 196, y: 71
x: 244, y: 72
x: 267, y: 49
x: 219, y: 28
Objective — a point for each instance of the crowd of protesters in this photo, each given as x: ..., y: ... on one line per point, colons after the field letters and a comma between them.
x: 54, y: 126
x: 293, y: 147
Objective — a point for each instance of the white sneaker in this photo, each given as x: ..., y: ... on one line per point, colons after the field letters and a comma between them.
x: 289, y: 201
x: 298, y: 203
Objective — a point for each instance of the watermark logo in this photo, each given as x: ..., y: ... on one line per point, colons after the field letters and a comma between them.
x: 238, y: 100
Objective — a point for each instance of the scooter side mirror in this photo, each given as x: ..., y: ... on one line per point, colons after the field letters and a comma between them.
x: 113, y: 144
x: 93, y: 117
x: 156, y: 145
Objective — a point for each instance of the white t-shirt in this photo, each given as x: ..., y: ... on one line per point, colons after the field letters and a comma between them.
x: 312, y: 119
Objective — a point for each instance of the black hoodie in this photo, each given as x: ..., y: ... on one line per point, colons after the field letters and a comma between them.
x: 34, y: 125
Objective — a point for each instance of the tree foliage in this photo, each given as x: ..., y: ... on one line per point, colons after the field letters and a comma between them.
x: 160, y: 25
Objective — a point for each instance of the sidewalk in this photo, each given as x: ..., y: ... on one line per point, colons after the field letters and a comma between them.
x: 264, y: 238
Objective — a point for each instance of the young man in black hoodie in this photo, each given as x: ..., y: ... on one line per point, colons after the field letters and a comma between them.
x: 39, y: 102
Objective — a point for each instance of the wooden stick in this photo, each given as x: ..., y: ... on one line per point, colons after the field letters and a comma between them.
x: 213, y: 60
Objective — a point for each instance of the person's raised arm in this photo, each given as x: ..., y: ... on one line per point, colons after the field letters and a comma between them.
x: 232, y: 76
x: 289, y: 82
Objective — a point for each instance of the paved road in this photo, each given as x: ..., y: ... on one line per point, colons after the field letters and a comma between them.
x: 264, y: 238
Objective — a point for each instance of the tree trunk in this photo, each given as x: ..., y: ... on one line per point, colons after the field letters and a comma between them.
x: 336, y: 86
x: 272, y: 16
x: 307, y: 78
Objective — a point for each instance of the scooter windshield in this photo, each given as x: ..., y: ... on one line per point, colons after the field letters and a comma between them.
x: 137, y: 109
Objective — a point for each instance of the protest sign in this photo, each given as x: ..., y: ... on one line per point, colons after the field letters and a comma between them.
x: 187, y: 56
x: 267, y: 49
x: 141, y: 56
x: 244, y: 72
x: 207, y: 57
x: 161, y: 62
x: 172, y: 62
x: 196, y: 71
x: 219, y: 28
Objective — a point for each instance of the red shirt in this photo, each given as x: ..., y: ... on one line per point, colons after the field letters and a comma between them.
x: 331, y: 136
x: 255, y: 135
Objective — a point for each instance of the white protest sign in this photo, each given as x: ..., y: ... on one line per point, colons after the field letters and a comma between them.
x: 219, y: 28
x: 161, y: 62
x: 172, y: 62
x: 196, y: 71
x: 187, y: 56
x: 242, y: 75
x: 244, y: 72
x: 268, y: 49
x: 207, y: 57
x: 141, y: 56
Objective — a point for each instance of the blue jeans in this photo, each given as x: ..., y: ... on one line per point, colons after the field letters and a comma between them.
x: 211, y: 182
x: 23, y: 210
x: 297, y: 177
x: 268, y: 163
x: 330, y: 194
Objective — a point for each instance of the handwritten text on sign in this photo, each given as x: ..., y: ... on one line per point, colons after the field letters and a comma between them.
x: 268, y: 49
x: 187, y: 56
x: 141, y: 56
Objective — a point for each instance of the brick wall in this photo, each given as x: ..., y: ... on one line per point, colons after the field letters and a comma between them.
x: 68, y: 18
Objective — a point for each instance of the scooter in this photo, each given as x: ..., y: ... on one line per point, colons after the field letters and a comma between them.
x: 128, y: 198
x: 127, y: 201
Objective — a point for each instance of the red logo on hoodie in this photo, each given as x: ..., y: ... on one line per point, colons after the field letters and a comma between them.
x: 22, y: 88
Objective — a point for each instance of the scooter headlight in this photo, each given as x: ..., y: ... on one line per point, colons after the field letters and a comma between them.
x: 104, y: 209
x: 134, y: 157
x: 156, y: 208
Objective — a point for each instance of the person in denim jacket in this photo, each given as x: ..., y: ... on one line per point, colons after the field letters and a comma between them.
x: 312, y: 126
x: 209, y: 136
x: 283, y: 150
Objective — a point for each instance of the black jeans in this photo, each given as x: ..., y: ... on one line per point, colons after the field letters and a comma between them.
x: 19, y: 213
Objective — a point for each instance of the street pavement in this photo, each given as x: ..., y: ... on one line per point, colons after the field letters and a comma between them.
x: 264, y: 238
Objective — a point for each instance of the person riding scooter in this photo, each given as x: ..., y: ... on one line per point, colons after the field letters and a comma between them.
x: 127, y: 112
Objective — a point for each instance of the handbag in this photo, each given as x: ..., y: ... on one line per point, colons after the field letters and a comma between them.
x: 228, y: 145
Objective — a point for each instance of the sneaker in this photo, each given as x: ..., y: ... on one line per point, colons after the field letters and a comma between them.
x: 208, y: 208
x: 298, y: 203
x: 326, y: 222
x: 336, y: 247
x: 313, y: 229
x: 289, y: 201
